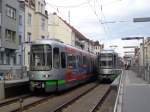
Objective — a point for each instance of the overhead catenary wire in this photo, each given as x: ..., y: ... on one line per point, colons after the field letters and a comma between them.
x: 69, y: 6
x: 99, y: 20
x: 103, y: 16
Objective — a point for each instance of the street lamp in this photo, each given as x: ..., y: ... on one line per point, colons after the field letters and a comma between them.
x: 130, y: 47
x: 137, y: 38
x: 141, y: 19
x: 129, y: 52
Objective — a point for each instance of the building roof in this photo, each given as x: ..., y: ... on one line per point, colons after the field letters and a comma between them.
x: 79, y: 34
x: 96, y: 43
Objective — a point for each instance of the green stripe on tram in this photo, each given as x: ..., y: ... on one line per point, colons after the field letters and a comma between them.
x: 61, y: 82
x: 51, y: 82
x: 54, y: 82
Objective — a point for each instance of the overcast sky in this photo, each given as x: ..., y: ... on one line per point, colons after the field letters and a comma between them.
x: 88, y: 15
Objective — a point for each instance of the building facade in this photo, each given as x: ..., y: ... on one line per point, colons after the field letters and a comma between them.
x: 98, y: 47
x: 9, y: 42
x: 147, y: 51
x: 60, y: 29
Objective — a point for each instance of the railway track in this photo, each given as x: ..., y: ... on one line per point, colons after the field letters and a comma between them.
x: 88, y: 102
x: 29, y: 103
x: 87, y: 98
x: 60, y: 108
x: 13, y: 100
x: 26, y: 102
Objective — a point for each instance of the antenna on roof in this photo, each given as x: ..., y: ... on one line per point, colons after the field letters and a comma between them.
x: 69, y: 16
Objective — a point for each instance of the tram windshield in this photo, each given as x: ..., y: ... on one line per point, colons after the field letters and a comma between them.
x: 106, y: 61
x: 41, y: 57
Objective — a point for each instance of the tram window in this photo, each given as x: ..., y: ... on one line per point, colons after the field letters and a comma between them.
x: 71, y: 61
x: 80, y: 60
x: 84, y: 60
x: 41, y: 57
x: 103, y: 63
x: 63, y: 60
x: 110, y: 63
x: 56, y: 61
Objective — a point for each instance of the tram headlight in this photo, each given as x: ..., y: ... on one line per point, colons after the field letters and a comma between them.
x: 32, y: 76
x: 46, y: 76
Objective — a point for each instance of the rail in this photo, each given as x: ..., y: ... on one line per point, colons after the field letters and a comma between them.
x: 120, y: 90
x: 13, y: 100
x: 59, y: 108
x: 101, y: 100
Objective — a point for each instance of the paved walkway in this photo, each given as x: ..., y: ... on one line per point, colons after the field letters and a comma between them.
x: 132, y: 79
x: 136, y: 94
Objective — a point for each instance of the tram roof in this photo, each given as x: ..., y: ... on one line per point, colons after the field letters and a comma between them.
x: 58, y: 42
x: 108, y: 52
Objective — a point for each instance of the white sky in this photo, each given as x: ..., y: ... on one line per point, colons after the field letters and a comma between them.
x: 83, y: 18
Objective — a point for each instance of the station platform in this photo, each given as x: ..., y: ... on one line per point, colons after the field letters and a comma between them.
x: 14, y: 88
x: 10, y: 83
x: 136, y: 93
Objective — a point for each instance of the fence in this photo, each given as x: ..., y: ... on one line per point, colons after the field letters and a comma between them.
x: 118, y: 102
x: 142, y: 72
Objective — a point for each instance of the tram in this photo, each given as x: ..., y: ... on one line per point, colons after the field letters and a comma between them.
x: 55, y: 66
x: 107, y: 64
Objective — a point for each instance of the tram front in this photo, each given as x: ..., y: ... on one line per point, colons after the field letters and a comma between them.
x: 40, y: 67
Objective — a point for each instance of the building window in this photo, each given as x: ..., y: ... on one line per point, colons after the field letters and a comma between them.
x: 10, y: 35
x: 1, y: 58
x: 20, y: 19
x: 20, y: 38
x: 43, y: 37
x: 10, y: 12
x: 14, y: 59
x: 43, y: 24
x: 41, y: 8
x: 29, y: 19
x: 7, y: 58
x: 29, y: 37
x: 20, y: 59
x: 13, y: 36
x: 39, y: 4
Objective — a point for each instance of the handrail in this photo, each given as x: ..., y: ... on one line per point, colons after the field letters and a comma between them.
x: 118, y: 93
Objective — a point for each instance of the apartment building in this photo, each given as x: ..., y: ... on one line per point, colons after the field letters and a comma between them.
x: 98, y: 47
x: 9, y: 42
x: 60, y: 29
